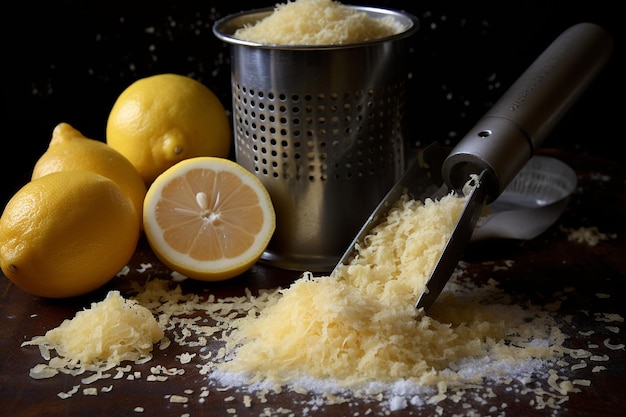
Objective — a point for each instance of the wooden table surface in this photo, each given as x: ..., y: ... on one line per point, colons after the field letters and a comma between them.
x: 588, y: 280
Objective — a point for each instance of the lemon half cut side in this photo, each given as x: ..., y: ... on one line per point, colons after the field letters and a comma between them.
x: 208, y: 218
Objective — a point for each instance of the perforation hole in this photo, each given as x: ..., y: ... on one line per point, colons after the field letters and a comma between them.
x: 278, y: 131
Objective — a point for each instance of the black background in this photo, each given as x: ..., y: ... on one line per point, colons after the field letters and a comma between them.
x: 67, y: 61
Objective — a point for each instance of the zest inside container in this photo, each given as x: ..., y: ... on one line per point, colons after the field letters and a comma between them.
x: 323, y: 128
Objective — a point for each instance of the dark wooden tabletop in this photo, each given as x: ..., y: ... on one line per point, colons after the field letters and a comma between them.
x: 588, y: 281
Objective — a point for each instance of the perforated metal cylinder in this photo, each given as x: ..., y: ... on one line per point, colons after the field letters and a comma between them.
x: 322, y: 128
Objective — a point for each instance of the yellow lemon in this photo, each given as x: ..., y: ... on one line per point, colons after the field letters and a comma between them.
x: 69, y: 150
x: 67, y: 233
x: 208, y: 218
x: 160, y: 120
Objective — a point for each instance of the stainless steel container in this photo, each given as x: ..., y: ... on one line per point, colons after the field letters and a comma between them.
x: 323, y: 128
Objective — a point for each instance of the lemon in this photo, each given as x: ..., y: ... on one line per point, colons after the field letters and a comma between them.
x: 70, y: 150
x: 208, y: 218
x: 67, y: 233
x: 160, y: 120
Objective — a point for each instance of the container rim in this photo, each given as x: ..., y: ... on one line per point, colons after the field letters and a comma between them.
x: 225, y: 28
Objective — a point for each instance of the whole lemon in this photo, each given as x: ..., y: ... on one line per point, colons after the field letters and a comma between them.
x: 70, y: 150
x: 67, y: 233
x: 160, y: 120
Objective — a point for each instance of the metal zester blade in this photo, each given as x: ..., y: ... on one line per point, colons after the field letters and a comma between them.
x: 500, y: 144
x: 420, y: 181
x: 456, y: 244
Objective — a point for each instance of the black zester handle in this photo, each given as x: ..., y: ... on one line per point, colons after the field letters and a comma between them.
x: 505, y: 138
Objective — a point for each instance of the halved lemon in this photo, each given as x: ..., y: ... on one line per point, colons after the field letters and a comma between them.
x: 208, y: 218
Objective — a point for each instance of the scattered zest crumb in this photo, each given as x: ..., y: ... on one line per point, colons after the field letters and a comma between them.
x: 144, y: 267
x: 179, y: 399
x: 589, y: 235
